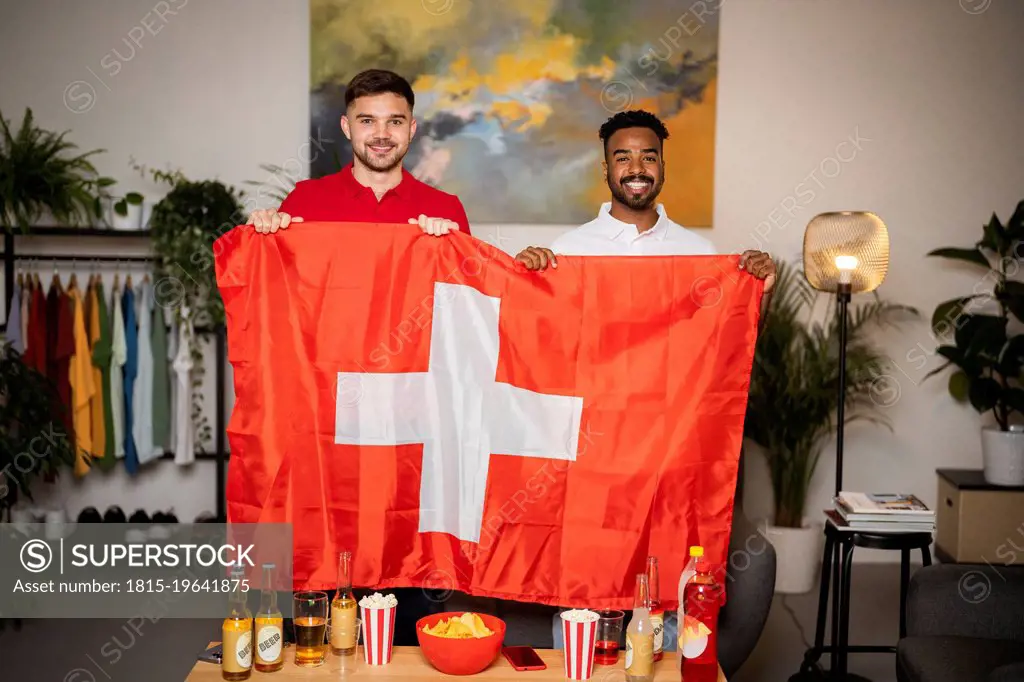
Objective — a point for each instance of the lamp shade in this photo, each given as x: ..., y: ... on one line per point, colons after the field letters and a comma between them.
x: 846, y: 248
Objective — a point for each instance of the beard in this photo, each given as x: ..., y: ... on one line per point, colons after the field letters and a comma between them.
x: 637, y: 202
x: 380, y: 162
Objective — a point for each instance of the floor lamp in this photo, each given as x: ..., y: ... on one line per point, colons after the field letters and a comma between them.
x: 845, y: 253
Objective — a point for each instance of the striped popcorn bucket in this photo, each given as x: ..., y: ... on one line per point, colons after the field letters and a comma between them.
x: 579, y: 648
x: 378, y: 634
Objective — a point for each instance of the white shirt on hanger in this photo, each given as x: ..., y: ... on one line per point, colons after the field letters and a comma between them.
x: 142, y: 398
x: 184, y: 433
x: 118, y: 358
x: 172, y: 352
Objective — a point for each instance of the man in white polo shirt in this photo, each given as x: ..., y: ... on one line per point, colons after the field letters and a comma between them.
x: 634, y: 224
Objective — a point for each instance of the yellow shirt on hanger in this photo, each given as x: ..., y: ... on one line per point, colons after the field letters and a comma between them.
x: 99, y: 440
x: 82, y: 387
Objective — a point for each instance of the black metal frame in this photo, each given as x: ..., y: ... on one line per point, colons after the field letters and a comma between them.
x: 837, y: 559
x: 10, y: 255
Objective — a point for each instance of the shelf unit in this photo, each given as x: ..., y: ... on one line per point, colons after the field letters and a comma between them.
x: 11, y: 257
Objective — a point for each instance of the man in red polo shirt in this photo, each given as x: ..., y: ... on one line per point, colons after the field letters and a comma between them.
x: 374, y: 188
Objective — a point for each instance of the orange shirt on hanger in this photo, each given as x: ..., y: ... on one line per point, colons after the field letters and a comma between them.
x: 82, y: 387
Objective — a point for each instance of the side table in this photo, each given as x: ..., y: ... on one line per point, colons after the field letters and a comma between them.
x: 837, y: 568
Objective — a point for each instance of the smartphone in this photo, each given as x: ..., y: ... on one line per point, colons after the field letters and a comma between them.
x: 212, y: 655
x: 523, y: 658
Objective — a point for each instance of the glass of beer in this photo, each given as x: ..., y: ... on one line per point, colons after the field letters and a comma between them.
x: 310, y: 619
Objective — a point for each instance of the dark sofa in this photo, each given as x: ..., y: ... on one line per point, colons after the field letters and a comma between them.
x: 965, y: 623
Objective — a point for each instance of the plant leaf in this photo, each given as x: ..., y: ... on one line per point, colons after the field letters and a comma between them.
x: 1015, y: 226
x: 969, y: 255
x: 1011, y: 294
x: 959, y: 386
x: 995, y: 235
x: 948, y: 313
x: 1014, y: 397
x: 984, y: 393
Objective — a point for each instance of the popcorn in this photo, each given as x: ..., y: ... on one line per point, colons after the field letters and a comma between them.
x: 379, y: 601
x: 580, y: 616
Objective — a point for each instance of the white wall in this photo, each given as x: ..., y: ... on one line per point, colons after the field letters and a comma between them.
x: 930, y: 93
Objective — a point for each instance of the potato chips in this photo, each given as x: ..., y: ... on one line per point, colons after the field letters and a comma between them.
x: 466, y: 626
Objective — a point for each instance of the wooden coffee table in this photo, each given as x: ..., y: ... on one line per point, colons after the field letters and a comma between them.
x: 408, y: 664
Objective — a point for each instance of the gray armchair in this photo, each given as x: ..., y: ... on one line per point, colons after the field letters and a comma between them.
x: 965, y: 623
x: 750, y: 585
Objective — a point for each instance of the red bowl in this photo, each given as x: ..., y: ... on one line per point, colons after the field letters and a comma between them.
x: 460, y: 656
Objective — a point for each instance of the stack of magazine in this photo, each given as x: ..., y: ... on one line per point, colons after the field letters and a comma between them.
x: 881, y: 513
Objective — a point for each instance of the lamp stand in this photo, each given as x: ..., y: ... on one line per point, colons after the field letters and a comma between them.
x: 842, y: 302
x: 810, y: 670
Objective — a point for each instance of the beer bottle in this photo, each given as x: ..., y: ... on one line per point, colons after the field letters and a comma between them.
x: 269, y: 627
x: 657, y: 613
x: 236, y: 633
x: 343, y: 610
x: 640, y: 636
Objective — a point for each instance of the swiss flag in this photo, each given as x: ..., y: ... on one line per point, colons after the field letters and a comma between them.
x: 460, y: 423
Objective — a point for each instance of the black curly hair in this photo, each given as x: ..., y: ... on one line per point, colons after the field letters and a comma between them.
x: 634, y: 118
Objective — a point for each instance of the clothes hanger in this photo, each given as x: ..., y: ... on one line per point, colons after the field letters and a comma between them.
x: 56, y: 277
x: 73, y: 282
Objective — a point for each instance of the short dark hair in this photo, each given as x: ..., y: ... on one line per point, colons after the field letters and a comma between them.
x: 634, y: 118
x: 377, y: 81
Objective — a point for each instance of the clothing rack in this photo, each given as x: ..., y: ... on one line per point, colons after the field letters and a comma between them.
x: 11, y: 258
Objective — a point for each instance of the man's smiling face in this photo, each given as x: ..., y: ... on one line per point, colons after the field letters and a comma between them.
x: 380, y: 128
x: 634, y: 168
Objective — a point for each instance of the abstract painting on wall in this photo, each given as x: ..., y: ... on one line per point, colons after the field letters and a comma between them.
x: 510, y: 95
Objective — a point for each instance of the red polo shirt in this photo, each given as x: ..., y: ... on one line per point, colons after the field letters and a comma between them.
x: 340, y: 197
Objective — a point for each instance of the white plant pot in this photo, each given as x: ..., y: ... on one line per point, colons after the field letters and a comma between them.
x: 132, y: 221
x: 798, y: 556
x: 147, y: 213
x: 1003, y: 455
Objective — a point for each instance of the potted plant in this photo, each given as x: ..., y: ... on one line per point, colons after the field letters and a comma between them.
x: 184, y: 225
x: 126, y: 211
x: 42, y: 177
x: 33, y: 441
x: 791, y: 409
x: 987, y: 347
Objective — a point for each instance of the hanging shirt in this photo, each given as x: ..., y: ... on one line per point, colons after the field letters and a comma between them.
x: 184, y: 432
x: 26, y: 303
x: 142, y: 399
x: 118, y: 358
x: 80, y: 379
x: 172, y: 353
x: 161, y: 382
x: 99, y: 333
x: 14, y: 331
x: 36, y: 355
x: 60, y: 342
x: 131, y: 335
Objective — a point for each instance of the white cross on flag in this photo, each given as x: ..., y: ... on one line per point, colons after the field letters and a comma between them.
x: 459, y: 423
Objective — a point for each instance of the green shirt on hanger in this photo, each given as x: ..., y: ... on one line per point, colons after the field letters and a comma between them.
x: 101, y: 356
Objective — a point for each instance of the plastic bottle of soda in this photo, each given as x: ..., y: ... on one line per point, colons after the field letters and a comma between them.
x: 698, y: 634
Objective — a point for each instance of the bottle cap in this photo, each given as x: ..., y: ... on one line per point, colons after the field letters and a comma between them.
x: 696, y: 550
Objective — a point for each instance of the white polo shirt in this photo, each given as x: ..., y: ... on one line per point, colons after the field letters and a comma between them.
x: 608, y: 236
